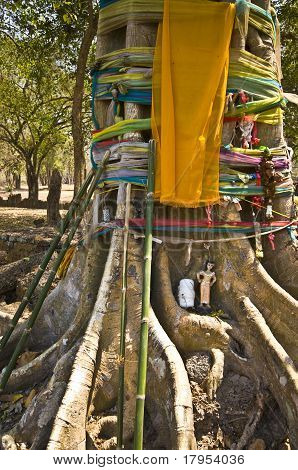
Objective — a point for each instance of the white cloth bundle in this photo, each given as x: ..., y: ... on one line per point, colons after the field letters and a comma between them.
x: 186, y: 293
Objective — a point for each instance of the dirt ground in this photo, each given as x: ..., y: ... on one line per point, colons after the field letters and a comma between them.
x: 13, y: 218
x: 66, y: 193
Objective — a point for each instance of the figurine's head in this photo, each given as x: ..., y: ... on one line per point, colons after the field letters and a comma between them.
x: 267, y: 153
x: 114, y: 92
x: 209, y: 265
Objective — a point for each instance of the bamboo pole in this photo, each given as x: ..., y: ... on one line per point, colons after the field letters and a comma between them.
x: 31, y: 320
x: 55, y: 242
x: 120, y: 408
x: 143, y: 348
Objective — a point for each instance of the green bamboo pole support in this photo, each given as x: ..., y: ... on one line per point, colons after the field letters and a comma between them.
x: 120, y: 407
x: 31, y: 320
x: 143, y: 348
x: 55, y: 242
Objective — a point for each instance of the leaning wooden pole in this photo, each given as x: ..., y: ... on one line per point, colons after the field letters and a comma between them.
x: 31, y: 320
x: 121, y: 391
x: 55, y: 242
x: 143, y: 348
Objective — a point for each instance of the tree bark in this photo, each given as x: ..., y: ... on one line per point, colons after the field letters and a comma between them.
x: 17, y: 180
x: 33, y: 183
x: 78, y: 95
x: 53, y: 214
x: 11, y: 273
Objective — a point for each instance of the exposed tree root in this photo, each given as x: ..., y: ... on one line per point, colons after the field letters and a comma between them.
x: 105, y: 382
x: 5, y: 320
x: 216, y: 374
x: 69, y: 426
x: 10, y: 273
x: 171, y: 414
x: 57, y: 312
x: 107, y: 427
x: 251, y: 424
x: 273, y: 364
x: 239, y: 273
x: 279, y: 363
x: 35, y: 425
x: 169, y: 390
x: 43, y: 365
x: 103, y: 330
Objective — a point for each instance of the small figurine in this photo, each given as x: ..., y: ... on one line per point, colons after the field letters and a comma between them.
x: 246, y: 128
x: 227, y: 200
x: 229, y: 105
x: 206, y: 280
x: 269, y: 178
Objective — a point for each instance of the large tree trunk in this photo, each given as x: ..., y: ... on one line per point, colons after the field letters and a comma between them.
x: 53, y: 214
x: 17, y: 180
x: 192, y: 357
x: 78, y: 95
x: 33, y: 183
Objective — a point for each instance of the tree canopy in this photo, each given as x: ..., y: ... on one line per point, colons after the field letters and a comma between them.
x: 45, y: 88
x: 35, y: 101
x: 288, y: 14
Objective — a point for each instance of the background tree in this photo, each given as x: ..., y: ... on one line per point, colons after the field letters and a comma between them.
x: 70, y: 28
x: 34, y: 104
x: 53, y: 214
x: 288, y: 13
x: 11, y: 165
x: 60, y: 157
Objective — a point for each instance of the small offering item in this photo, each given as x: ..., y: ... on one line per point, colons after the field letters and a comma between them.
x: 206, y: 280
x: 186, y: 293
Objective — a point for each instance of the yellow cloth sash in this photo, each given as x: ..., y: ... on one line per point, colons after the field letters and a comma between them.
x: 189, y: 89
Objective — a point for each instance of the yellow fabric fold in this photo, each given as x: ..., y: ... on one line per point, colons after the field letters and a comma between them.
x: 189, y: 89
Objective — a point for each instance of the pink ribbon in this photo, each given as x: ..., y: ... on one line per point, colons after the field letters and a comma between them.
x: 271, y: 238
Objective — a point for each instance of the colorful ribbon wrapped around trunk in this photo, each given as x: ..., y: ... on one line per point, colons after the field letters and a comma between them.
x: 189, y: 86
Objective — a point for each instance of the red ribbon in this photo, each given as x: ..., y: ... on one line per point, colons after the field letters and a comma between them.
x: 200, y: 223
x: 209, y: 214
x: 238, y: 118
x: 257, y: 201
x: 243, y: 98
x: 254, y: 135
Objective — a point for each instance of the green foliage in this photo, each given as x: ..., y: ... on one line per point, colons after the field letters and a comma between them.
x: 55, y: 25
x: 9, y: 160
x: 61, y: 158
x: 40, y: 42
x: 288, y: 13
x: 35, y: 100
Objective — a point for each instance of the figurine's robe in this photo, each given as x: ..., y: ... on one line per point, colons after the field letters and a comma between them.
x: 206, y: 281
